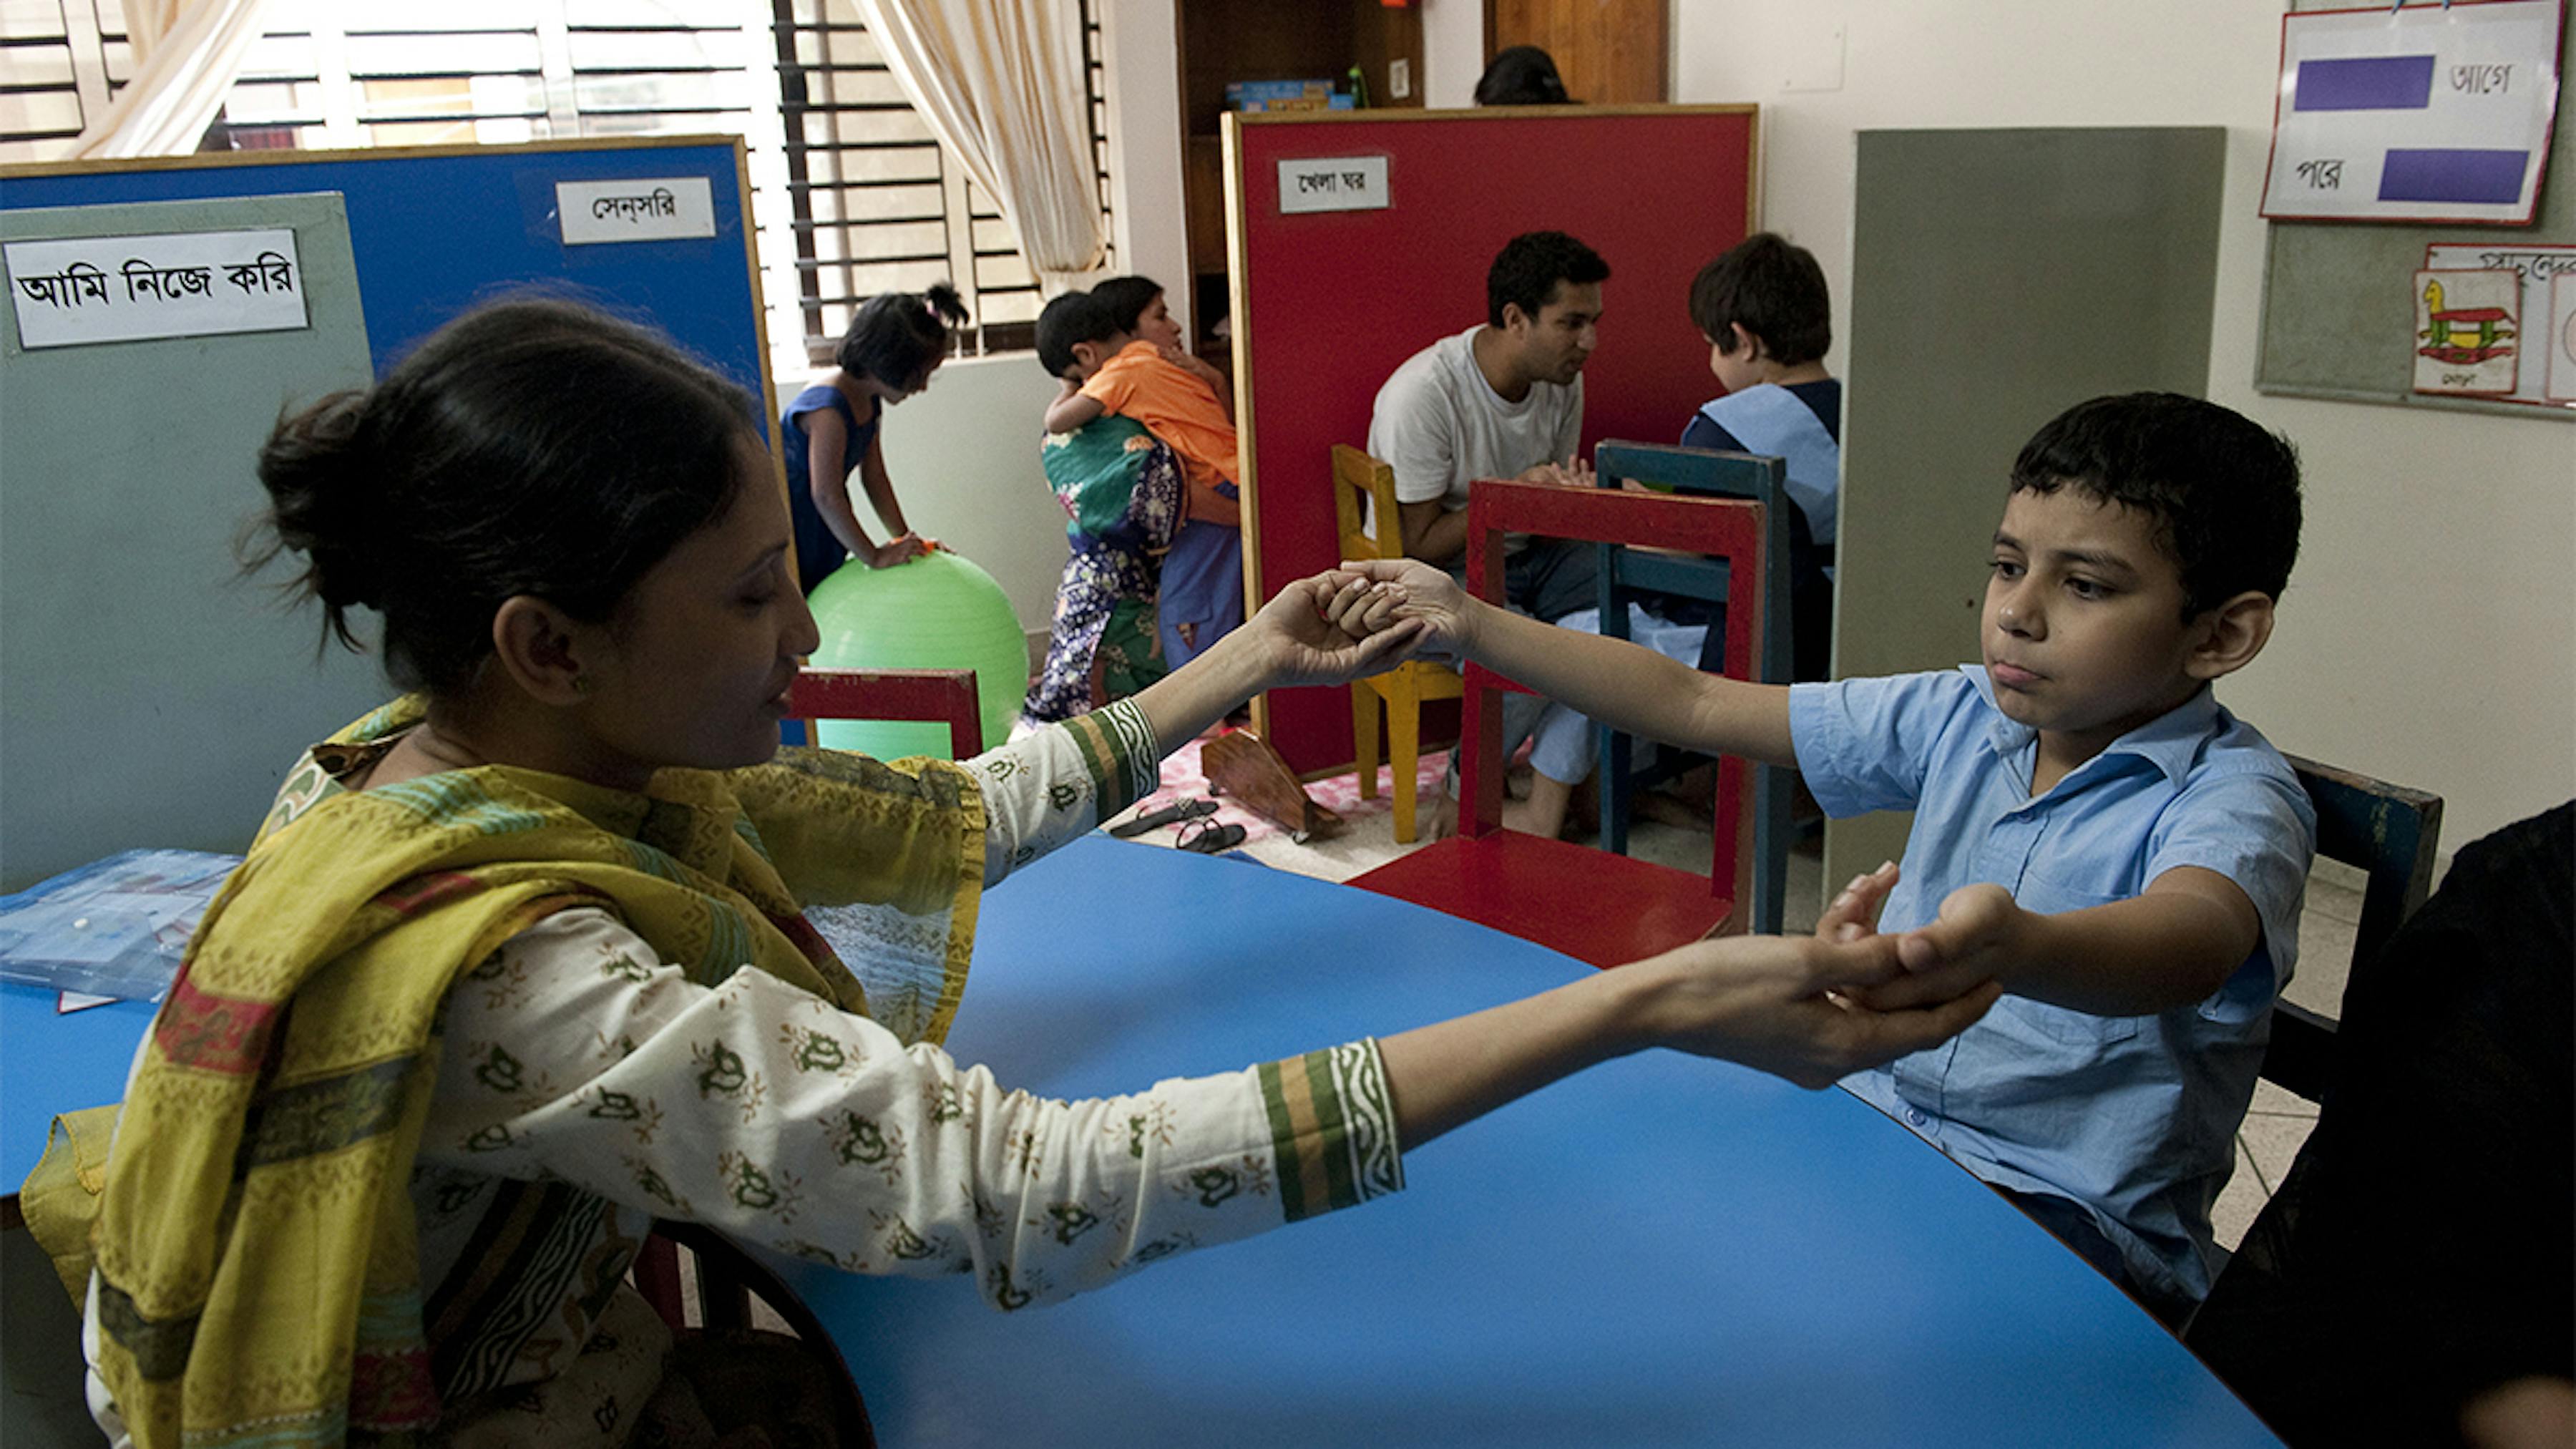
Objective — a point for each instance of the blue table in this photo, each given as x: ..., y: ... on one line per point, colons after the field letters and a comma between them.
x: 51, y: 1064
x: 1660, y: 1251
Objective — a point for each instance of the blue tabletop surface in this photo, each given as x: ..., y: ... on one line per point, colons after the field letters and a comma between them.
x: 51, y: 1064
x: 1662, y: 1250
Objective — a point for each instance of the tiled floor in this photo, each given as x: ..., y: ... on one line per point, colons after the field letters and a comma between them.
x: 2275, y: 1127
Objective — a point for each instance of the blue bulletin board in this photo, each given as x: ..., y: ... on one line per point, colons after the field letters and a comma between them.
x: 154, y: 696
x: 438, y: 228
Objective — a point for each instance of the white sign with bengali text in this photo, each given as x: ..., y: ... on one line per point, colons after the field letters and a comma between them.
x: 2431, y: 113
x: 653, y: 208
x: 1345, y: 183
x: 138, y: 288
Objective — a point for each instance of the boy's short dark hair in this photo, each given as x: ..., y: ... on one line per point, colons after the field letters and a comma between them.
x: 1525, y: 272
x: 1127, y: 298
x: 1071, y: 318
x: 2224, y: 494
x: 1774, y: 288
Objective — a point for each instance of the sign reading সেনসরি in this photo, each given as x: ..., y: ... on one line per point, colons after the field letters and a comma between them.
x: 78, y: 290
x: 667, y: 208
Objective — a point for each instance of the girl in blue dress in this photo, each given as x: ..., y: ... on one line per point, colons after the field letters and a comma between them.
x: 895, y: 342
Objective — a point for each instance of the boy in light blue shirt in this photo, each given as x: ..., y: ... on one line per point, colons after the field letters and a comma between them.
x: 2091, y: 828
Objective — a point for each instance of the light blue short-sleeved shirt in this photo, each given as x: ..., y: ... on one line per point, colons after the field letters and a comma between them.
x: 2131, y: 1117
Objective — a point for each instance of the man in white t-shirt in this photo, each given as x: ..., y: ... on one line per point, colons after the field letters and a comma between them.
x: 1502, y: 400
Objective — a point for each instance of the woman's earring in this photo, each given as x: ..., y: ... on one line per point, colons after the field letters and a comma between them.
x: 581, y: 684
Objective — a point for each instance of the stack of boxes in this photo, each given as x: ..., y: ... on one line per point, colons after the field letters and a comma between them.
x: 1285, y: 95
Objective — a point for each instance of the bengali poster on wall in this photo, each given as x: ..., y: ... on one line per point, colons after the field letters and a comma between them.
x: 2425, y: 113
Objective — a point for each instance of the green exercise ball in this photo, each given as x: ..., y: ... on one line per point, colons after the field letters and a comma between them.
x: 936, y: 612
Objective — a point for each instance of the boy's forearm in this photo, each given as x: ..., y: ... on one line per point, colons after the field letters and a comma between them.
x: 1069, y: 413
x: 1636, y: 690
x: 2151, y: 953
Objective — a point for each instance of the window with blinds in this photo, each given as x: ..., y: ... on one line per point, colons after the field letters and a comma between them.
x: 850, y: 194
x: 875, y: 206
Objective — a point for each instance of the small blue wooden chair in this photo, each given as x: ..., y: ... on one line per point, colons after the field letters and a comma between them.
x: 1627, y: 573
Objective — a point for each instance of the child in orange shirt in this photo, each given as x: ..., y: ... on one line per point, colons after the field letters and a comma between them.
x: 1126, y: 359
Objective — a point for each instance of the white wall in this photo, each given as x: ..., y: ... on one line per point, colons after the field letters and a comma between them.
x: 1453, y: 52
x: 2429, y: 633
x: 1141, y: 68
x: 964, y: 459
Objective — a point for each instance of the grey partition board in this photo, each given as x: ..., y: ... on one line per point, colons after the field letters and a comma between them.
x: 2339, y: 299
x: 152, y: 697
x: 1998, y: 277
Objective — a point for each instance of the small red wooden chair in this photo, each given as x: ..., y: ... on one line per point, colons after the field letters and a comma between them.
x: 1588, y: 904
x: 902, y: 694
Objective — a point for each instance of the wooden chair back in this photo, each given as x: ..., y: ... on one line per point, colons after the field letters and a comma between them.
x: 2390, y: 833
x: 937, y: 695
x: 1364, y: 493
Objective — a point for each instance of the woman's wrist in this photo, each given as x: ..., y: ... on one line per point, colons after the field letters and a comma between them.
x: 1623, y: 1007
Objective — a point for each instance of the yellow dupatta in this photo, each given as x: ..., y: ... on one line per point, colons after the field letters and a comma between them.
x: 257, y: 1271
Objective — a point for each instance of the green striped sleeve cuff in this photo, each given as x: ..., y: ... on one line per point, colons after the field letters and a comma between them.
x: 1120, y: 752
x: 1332, y: 1129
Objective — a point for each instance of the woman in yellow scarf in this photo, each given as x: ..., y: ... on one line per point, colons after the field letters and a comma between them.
x: 473, y: 1012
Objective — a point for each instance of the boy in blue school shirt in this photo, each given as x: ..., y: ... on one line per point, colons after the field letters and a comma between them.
x: 2090, y: 827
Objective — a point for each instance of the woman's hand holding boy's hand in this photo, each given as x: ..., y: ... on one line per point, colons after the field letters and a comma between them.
x: 1325, y: 630
x: 1790, y: 1005
x: 1975, y: 936
x: 1412, y: 589
x: 1853, y: 916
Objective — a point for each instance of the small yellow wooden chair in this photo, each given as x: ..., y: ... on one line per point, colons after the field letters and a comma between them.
x: 1364, y: 492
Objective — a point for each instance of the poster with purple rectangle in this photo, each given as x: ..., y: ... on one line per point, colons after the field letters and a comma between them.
x: 2424, y: 113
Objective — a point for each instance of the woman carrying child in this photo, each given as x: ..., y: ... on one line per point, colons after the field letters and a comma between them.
x: 895, y: 342
x: 518, y: 964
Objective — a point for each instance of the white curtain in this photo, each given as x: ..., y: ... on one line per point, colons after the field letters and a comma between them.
x: 1000, y: 83
x: 186, y: 53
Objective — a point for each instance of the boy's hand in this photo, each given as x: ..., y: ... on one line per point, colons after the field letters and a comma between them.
x: 1854, y: 913
x: 1419, y: 591
x: 1196, y: 366
x: 1572, y: 473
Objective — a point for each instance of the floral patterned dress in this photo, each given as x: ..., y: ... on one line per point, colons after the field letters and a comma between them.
x: 586, y: 1086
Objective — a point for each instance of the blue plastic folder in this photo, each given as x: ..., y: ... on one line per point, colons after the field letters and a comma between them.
x: 114, y: 927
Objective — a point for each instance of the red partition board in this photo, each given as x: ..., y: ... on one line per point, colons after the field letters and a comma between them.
x: 1326, y: 304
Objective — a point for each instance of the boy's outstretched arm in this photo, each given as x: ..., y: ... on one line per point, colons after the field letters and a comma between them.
x: 1623, y: 685
x: 2172, y: 946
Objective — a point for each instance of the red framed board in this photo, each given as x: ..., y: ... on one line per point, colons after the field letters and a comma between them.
x: 1326, y: 303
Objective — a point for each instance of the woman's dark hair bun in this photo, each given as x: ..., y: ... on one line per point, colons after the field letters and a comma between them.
x: 532, y: 446
x: 317, y: 478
